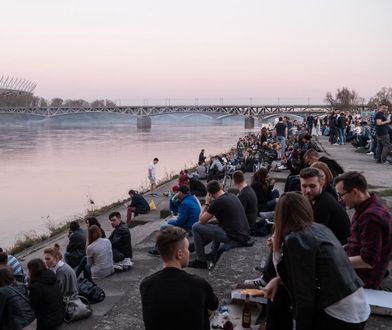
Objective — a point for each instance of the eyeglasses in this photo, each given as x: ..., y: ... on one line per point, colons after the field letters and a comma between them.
x: 341, y: 195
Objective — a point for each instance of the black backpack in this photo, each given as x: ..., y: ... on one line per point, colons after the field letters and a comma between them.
x: 89, y: 290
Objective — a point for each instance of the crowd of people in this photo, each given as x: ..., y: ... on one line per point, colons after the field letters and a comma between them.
x: 318, y: 264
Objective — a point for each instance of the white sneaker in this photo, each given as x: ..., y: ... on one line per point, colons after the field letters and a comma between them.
x: 282, y: 167
x: 118, y: 266
x: 370, y: 153
x: 127, y: 262
x: 256, y: 282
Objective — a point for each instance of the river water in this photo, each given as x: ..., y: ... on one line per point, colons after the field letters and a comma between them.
x: 50, y: 174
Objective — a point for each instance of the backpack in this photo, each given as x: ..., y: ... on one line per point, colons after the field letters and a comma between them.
x: 89, y: 290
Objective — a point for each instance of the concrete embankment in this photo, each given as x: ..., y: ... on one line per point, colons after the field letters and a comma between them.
x: 122, y: 307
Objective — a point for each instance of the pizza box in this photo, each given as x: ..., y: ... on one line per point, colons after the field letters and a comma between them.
x: 236, y: 295
x: 380, y: 301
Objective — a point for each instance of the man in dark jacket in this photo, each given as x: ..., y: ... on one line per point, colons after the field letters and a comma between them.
x: 121, y: 242
x: 311, y: 156
x: 138, y: 205
x: 326, y: 209
x: 76, y: 248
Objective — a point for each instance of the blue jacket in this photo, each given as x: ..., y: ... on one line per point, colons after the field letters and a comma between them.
x: 188, y: 214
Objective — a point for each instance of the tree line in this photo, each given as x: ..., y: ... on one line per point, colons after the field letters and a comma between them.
x: 342, y: 99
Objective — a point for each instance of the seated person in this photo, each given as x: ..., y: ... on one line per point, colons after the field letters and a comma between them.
x: 189, y: 213
x: 311, y: 156
x: 369, y: 246
x: 99, y: 254
x: 76, y: 248
x: 121, y: 242
x: 174, y: 202
x: 201, y: 171
x: 183, y: 179
x: 91, y: 221
x: 264, y: 189
x: 172, y: 298
x: 197, y: 187
x: 247, y: 197
x: 138, y: 205
x: 17, y: 269
x: 249, y: 161
x: 231, y: 228
x: 216, y: 169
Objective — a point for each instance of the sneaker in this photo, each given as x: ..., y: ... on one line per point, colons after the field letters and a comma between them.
x: 370, y: 153
x: 127, y: 262
x: 154, y: 252
x: 198, y: 264
x: 118, y: 267
x: 256, y: 282
x: 282, y: 167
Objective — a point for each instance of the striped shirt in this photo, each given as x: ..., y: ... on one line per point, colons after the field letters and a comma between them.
x: 15, y: 265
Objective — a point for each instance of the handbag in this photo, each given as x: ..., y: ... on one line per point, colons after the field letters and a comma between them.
x: 76, y: 309
x: 90, y: 291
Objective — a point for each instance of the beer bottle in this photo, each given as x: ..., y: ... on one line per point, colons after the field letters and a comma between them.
x: 246, y: 314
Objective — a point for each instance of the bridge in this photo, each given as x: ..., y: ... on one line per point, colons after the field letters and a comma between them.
x: 144, y: 113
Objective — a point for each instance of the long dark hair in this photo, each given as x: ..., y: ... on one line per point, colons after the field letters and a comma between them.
x: 293, y: 213
x: 35, y: 267
x: 260, y: 176
x: 6, y: 276
x: 94, y: 232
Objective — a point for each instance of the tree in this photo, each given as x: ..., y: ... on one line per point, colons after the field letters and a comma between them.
x: 98, y: 103
x: 344, y: 99
x: 56, y: 102
x: 383, y: 95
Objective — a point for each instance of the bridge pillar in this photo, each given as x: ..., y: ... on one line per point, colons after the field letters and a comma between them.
x: 143, y: 122
x: 249, y: 122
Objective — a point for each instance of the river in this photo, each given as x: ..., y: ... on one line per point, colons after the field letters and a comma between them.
x: 50, y: 174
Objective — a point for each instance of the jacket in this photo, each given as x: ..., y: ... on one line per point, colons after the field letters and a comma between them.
x: 140, y: 203
x: 47, y: 300
x: 316, y: 271
x: 189, y: 212
x: 15, y: 311
x: 121, y: 240
x: 76, y: 248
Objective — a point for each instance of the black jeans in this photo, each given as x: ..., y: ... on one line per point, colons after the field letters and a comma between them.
x: 279, y: 316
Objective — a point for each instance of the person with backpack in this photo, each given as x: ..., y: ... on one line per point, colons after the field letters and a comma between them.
x: 342, y: 124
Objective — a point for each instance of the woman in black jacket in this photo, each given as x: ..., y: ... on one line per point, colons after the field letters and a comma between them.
x: 325, y: 291
x: 264, y: 189
x: 45, y: 296
x: 15, y: 308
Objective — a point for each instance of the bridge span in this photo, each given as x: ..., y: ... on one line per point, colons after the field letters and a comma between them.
x: 144, y: 113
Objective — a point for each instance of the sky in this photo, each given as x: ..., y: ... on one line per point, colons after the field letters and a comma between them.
x: 129, y: 50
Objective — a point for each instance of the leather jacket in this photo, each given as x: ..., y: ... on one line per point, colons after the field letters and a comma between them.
x: 316, y: 271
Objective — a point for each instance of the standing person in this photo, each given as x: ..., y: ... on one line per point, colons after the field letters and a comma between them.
x: 231, y: 228
x: 373, y: 142
x: 310, y: 123
x: 99, y: 254
x: 281, y: 134
x: 65, y: 275
x: 247, y: 197
x: 138, y: 205
x: 121, y: 242
x: 202, y: 158
x: 382, y: 134
x: 76, y: 248
x: 333, y: 128
x: 45, y: 296
x: 172, y: 298
x: 152, y: 176
x: 369, y: 246
x: 342, y: 125
x: 15, y: 309
x: 325, y: 291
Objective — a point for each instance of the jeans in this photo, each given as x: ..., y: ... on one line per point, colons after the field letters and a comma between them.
x: 204, y: 234
x: 282, y: 141
x: 85, y: 268
x: 383, y: 145
x: 271, y: 204
x: 342, y: 135
x: 333, y: 135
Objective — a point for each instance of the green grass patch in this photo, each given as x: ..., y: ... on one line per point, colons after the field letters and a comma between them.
x: 385, y: 193
x: 361, y: 150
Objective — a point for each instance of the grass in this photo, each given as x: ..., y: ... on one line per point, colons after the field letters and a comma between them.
x: 361, y: 150
x: 385, y: 193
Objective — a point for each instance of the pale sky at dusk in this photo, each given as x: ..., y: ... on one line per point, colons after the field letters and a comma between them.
x: 124, y: 49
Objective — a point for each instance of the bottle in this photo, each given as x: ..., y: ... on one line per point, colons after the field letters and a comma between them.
x: 246, y: 314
